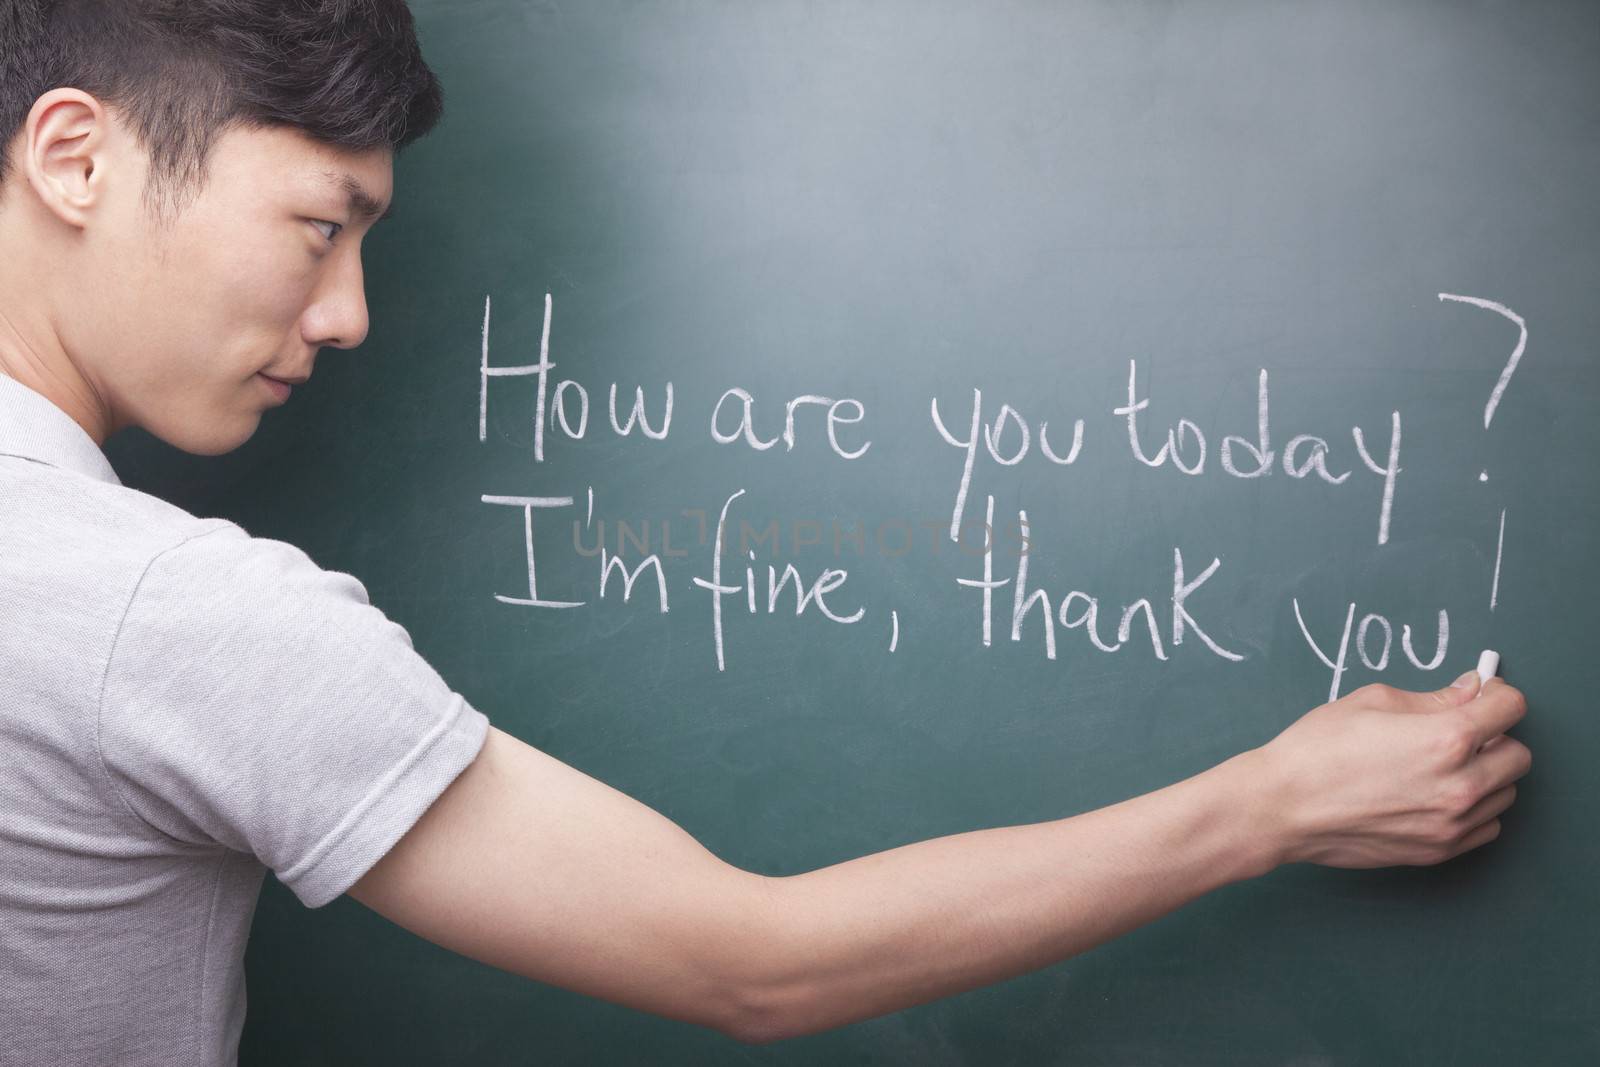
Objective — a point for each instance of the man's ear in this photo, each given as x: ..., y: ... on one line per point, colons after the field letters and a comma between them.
x: 64, y: 151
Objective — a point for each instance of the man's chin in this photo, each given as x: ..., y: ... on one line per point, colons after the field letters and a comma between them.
x: 212, y: 440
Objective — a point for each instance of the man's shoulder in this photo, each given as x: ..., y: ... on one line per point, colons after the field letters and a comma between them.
x: 66, y: 521
x: 80, y: 539
x: 149, y: 526
x: 96, y: 550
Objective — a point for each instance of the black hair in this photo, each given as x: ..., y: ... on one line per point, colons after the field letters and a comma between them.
x: 348, y: 73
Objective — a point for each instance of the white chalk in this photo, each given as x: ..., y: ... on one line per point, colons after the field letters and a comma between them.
x: 1488, y: 665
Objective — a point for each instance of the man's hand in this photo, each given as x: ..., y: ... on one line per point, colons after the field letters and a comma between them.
x: 1384, y: 776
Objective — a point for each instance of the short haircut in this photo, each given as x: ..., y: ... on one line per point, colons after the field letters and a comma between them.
x: 348, y: 73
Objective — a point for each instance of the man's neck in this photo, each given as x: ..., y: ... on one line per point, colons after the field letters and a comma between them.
x: 43, y: 366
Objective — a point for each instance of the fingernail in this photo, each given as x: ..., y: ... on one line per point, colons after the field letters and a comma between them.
x: 1465, y: 681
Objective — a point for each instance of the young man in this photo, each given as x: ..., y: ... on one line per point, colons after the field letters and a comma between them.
x: 183, y: 195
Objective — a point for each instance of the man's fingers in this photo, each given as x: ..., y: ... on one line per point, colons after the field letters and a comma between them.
x: 1489, y: 807
x: 1502, y: 762
x: 1482, y: 835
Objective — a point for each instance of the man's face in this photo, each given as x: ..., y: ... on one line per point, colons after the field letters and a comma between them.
x: 182, y: 319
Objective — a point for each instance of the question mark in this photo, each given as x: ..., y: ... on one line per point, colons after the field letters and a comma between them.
x: 1494, y: 402
x: 1511, y: 364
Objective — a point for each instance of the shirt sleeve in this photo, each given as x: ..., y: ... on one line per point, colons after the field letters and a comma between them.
x: 256, y: 701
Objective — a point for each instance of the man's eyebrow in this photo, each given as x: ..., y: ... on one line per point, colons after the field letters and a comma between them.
x: 362, y: 203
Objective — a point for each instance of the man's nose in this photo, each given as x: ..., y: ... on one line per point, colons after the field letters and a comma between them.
x: 338, y: 316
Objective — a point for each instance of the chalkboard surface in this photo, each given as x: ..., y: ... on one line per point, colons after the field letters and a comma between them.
x: 908, y: 266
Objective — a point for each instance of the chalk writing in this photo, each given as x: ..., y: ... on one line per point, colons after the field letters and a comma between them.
x: 759, y: 560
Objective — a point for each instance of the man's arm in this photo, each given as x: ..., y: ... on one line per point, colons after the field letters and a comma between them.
x: 531, y: 866
x: 930, y: 919
x: 534, y: 867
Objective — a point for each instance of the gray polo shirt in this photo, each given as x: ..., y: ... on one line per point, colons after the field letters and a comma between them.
x: 182, y: 707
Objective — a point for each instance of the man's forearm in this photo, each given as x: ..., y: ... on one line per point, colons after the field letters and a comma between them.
x: 912, y: 924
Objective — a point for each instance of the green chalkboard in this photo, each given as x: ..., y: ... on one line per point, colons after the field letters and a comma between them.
x: 1378, y: 216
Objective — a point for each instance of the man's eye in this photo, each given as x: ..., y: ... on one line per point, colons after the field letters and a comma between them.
x: 319, y: 223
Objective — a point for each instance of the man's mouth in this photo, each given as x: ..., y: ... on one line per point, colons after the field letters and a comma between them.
x: 280, y: 388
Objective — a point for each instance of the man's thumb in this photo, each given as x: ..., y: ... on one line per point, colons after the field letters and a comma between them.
x: 1459, y: 691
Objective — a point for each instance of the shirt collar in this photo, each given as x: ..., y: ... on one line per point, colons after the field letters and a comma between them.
x: 34, y: 428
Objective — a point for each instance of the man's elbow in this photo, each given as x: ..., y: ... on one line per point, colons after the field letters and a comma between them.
x: 750, y: 1023
x: 762, y: 1001
x: 755, y: 1017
